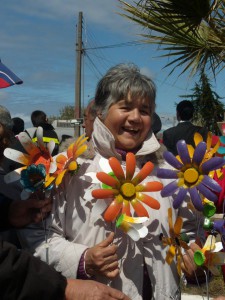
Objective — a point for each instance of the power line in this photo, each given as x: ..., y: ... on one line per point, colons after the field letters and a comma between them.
x: 126, y: 44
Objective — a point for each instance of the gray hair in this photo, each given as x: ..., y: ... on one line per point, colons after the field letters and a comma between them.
x: 5, y: 117
x: 119, y: 82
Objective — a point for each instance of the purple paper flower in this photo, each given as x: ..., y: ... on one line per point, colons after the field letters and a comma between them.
x: 191, y: 175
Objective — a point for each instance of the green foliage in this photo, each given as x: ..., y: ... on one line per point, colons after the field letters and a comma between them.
x: 67, y: 112
x: 208, y: 108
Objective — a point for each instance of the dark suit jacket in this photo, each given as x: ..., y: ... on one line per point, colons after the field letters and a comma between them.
x: 183, y: 131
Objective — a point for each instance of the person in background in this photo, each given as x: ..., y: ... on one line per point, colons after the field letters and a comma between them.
x: 23, y: 276
x: 39, y: 118
x: 90, y: 114
x: 7, y: 139
x: 184, y: 130
x: 157, y: 126
x: 82, y: 244
x: 18, y: 125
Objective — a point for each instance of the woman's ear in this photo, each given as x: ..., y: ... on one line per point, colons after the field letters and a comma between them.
x: 100, y: 116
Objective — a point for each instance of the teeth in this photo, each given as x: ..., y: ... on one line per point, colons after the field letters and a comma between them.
x: 131, y: 129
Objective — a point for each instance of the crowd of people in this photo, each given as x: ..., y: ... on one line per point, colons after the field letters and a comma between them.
x: 87, y: 257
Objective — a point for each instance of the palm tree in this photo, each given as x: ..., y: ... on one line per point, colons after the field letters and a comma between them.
x: 190, y: 32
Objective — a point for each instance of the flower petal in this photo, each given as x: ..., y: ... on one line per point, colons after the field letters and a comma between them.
x: 61, y: 159
x: 139, y: 208
x: 148, y: 200
x: 13, y: 176
x: 182, y: 150
x: 50, y: 146
x: 39, y: 133
x: 205, y: 191
x: 191, y: 150
x: 126, y: 208
x: 142, y: 230
x: 170, y: 220
x: 60, y: 177
x: 199, y: 153
x: 81, y: 140
x: 212, y: 164
x: 210, y: 243
x: 196, y: 199
x: 69, y: 150
x: 27, y: 144
x: 172, y: 160
x: 178, y: 225
x: 116, y: 167
x: 108, y: 180
x: 143, y: 173
x: 170, y: 254
x: 112, y: 211
x: 167, y: 173
x: 179, y: 198
x: 169, y: 189
x: 211, y: 184
x: 25, y: 195
x: 134, y: 230
x: 134, y: 220
x: 198, y: 138
x: 80, y: 150
x: 17, y: 156
x: 53, y: 167
x: 153, y: 186
x: 130, y: 165
x: 104, y: 193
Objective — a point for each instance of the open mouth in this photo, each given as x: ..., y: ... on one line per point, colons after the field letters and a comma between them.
x: 131, y: 131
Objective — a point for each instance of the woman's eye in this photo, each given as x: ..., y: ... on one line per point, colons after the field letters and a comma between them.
x: 145, y: 112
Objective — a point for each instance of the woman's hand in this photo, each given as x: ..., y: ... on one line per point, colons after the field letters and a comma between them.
x: 102, y: 258
x: 190, y: 269
x: 24, y: 212
x: 91, y: 290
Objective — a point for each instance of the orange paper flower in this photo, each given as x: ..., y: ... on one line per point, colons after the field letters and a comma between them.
x: 126, y: 190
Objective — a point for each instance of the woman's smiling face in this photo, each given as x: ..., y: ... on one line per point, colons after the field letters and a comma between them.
x: 129, y: 121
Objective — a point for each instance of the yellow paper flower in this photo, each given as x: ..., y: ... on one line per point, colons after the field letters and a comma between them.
x: 175, y: 241
x: 68, y: 162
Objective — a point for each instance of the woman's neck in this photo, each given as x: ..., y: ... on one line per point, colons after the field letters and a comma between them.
x: 123, y: 152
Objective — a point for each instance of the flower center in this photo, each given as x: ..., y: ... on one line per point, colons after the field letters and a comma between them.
x: 191, y: 175
x: 128, y: 189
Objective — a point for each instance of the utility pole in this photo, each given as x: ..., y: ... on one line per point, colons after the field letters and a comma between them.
x: 79, y: 50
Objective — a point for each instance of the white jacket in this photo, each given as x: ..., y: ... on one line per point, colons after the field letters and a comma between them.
x: 76, y: 226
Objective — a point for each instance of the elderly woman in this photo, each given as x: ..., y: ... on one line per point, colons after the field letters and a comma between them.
x: 80, y: 242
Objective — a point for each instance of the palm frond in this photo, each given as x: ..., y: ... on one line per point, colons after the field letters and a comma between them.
x: 192, y: 30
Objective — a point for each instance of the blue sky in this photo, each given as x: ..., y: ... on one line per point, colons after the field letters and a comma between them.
x: 38, y: 44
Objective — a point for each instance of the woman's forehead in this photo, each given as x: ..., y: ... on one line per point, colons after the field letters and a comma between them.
x: 138, y: 101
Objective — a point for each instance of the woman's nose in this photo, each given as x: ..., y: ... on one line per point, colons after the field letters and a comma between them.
x: 135, y: 115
